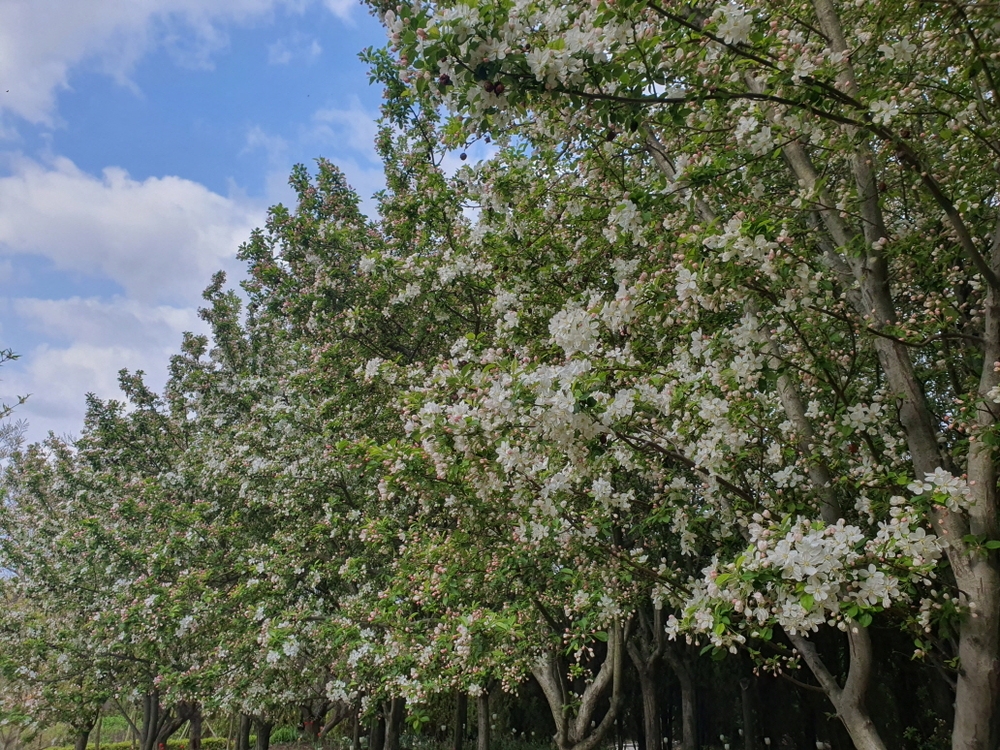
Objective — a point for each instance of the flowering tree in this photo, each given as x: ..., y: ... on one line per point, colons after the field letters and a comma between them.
x: 50, y: 667
x: 804, y: 333
x: 707, y: 349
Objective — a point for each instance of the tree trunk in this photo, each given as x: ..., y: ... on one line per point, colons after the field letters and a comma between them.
x: 194, y: 735
x: 376, y: 738
x: 645, y: 650
x: 313, y: 714
x: 749, y: 720
x: 263, y: 734
x: 849, y: 701
x: 170, y: 720
x: 689, y: 710
x: 461, y: 717
x: 977, y: 686
x: 483, y: 720
x: 667, y: 719
x: 83, y: 734
x: 356, y: 730
x: 394, y: 724
x: 650, y: 709
x: 689, y: 696
x: 151, y: 720
x: 243, y: 733
x: 978, y: 578
x: 577, y: 732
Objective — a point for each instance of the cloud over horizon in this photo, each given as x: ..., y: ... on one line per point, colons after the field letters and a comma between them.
x: 158, y: 239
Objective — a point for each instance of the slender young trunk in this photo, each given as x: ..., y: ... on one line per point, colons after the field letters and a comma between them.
x: 978, y: 682
x: 977, y: 687
x: 577, y: 732
x: 849, y: 701
x: 461, y: 716
x: 483, y: 721
x: 394, y: 724
x: 97, y: 733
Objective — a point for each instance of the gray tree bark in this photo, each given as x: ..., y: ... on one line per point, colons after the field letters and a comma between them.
x: 645, y: 649
x: 575, y: 732
x: 483, y: 721
x: 394, y: 723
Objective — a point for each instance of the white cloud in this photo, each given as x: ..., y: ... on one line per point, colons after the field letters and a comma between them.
x: 340, y: 8
x: 297, y: 47
x: 354, y: 126
x: 119, y: 322
x: 160, y: 238
x: 104, y: 337
x: 57, y: 380
x: 42, y: 40
x: 274, y: 146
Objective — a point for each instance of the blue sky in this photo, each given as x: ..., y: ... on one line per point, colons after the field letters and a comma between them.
x: 140, y: 142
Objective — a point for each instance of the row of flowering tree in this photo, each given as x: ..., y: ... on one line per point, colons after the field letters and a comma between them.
x: 702, y: 361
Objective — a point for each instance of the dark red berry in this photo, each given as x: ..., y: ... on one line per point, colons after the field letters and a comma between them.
x: 444, y: 79
x: 463, y: 156
x: 488, y: 85
x: 498, y: 89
